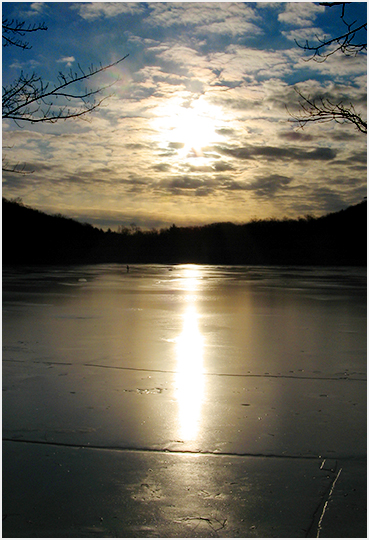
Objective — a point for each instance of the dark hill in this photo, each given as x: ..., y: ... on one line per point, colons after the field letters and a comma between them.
x: 33, y: 237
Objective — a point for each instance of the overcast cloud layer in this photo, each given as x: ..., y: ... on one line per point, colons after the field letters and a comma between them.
x: 196, y: 129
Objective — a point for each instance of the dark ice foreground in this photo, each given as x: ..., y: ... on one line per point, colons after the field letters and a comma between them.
x: 184, y: 401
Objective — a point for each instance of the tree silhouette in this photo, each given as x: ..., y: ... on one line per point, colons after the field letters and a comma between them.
x: 321, y: 109
x: 14, y: 30
x: 30, y: 100
x: 351, y: 42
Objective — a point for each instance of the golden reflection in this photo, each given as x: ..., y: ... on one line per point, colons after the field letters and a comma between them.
x: 190, y: 375
x: 190, y: 279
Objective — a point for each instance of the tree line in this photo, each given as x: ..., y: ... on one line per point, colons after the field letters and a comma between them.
x: 31, y: 237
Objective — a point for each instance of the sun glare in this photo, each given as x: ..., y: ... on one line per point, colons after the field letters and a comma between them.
x: 189, y: 130
x: 194, y: 130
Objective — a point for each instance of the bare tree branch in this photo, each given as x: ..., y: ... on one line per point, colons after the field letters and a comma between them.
x: 13, y: 30
x: 28, y: 99
x: 351, y: 42
x: 16, y: 168
x: 323, y: 110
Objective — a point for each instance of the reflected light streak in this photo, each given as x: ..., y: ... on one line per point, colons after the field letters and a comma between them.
x: 190, y: 279
x: 190, y: 375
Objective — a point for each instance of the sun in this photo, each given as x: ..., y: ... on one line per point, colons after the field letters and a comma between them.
x: 194, y: 130
x: 188, y: 129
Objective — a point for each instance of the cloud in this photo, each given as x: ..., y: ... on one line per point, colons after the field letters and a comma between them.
x: 355, y: 158
x: 246, y: 63
x: 189, y: 186
x: 28, y: 64
x: 231, y: 19
x: 262, y: 186
x: 330, y: 200
x: 37, y: 7
x: 91, y: 11
x: 300, y: 13
x: 185, y: 182
x: 267, y: 186
x: 221, y: 166
x: 199, y: 168
x: 226, y: 131
x: 347, y: 94
x: 278, y: 153
x: 16, y: 65
x: 296, y: 136
x: 176, y: 145
x: 68, y: 60
x: 161, y: 167
x: 301, y: 35
x: 233, y: 185
x: 337, y: 68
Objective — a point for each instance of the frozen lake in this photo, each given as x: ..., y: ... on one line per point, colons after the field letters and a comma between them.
x: 184, y: 401
x: 230, y: 360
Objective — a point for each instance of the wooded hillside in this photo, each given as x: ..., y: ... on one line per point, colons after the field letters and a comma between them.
x: 32, y: 237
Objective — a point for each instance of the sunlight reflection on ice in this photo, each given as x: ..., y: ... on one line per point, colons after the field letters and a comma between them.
x: 190, y: 376
x: 190, y: 280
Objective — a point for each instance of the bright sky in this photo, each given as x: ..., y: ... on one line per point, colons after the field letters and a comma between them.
x: 196, y: 129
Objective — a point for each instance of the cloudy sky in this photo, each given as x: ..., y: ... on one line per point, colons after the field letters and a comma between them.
x: 196, y: 128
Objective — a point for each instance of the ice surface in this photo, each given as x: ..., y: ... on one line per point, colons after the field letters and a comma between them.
x: 184, y: 401
x: 220, y: 359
